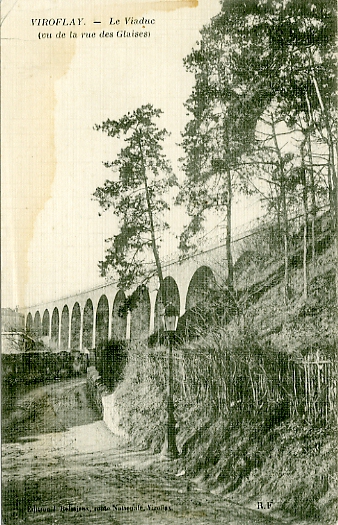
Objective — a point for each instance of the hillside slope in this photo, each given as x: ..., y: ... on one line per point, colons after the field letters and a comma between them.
x: 256, y: 412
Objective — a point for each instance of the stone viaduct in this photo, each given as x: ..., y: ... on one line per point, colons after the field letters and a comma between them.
x: 83, y: 321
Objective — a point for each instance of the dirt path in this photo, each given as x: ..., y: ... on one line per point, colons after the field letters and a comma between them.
x: 63, y: 466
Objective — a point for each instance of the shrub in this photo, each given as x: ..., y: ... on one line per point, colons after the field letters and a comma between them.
x: 111, y: 360
x: 230, y: 371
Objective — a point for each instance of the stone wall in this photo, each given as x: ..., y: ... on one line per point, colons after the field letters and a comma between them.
x: 104, y: 402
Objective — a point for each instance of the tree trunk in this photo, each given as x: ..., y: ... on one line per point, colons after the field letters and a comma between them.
x: 306, y: 217
x: 313, y: 200
x: 152, y: 228
x: 229, y: 232
x: 286, y: 245
x: 279, y: 223
x: 282, y: 181
x: 332, y: 175
x: 332, y: 165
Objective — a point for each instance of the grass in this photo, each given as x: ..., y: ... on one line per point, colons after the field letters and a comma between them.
x: 299, y: 469
x: 241, y: 427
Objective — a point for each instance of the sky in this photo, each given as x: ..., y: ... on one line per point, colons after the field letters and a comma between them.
x: 54, y: 90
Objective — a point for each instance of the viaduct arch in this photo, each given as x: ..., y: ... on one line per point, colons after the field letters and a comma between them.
x: 85, y: 320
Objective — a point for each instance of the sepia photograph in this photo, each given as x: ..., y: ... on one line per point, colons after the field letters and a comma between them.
x: 169, y: 274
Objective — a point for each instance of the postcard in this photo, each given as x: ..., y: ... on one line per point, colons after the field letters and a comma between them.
x: 169, y: 254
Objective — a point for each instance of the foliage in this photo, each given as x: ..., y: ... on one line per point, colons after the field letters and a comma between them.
x: 137, y: 196
x: 220, y: 130
x: 111, y: 360
x: 236, y: 424
x: 248, y: 408
x: 265, y: 76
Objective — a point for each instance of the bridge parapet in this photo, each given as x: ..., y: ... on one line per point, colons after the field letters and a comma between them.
x: 84, y: 320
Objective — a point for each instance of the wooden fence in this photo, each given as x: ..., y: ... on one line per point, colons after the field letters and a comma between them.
x: 255, y: 384
x: 320, y: 386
